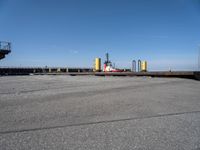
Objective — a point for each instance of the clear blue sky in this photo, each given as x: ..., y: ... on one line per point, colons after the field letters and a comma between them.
x: 72, y: 33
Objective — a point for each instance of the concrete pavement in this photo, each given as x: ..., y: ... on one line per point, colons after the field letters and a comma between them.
x: 87, y: 112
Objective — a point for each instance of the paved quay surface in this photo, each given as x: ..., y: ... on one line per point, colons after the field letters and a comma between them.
x: 105, y: 113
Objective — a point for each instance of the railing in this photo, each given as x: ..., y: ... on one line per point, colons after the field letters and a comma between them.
x: 5, y: 46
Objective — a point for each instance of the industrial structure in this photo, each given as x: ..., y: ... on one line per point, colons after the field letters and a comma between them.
x: 5, y: 48
x: 97, y: 65
x: 142, y: 66
x: 139, y: 68
x: 108, y: 67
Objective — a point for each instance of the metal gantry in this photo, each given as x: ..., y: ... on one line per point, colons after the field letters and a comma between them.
x: 5, y: 48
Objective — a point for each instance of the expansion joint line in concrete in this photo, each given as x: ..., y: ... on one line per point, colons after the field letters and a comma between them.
x: 98, y: 122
